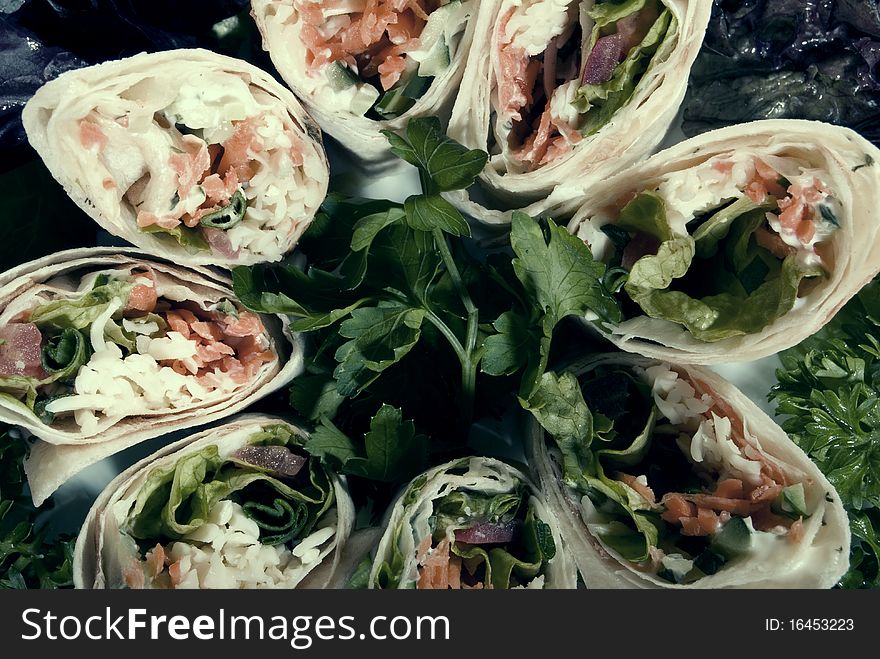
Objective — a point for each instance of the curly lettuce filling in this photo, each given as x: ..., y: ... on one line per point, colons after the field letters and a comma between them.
x: 724, y: 248
x: 115, y: 346
x: 261, y: 516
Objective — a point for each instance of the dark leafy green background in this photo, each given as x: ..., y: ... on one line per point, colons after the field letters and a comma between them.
x: 798, y: 59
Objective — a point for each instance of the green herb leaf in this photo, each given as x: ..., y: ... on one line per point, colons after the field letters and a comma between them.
x: 393, y: 448
x: 31, y: 194
x: 27, y: 558
x: 448, y: 164
x: 559, y: 272
x: 434, y: 212
x: 366, y: 228
x: 514, y: 346
x: 380, y: 337
x: 392, y: 452
x: 315, y: 396
x: 828, y: 393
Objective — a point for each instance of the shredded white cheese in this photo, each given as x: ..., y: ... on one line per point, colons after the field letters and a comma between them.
x: 226, y: 552
x: 712, y: 446
x: 675, y: 398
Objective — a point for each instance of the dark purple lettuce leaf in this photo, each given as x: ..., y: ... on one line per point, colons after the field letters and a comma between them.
x: 25, y: 64
x: 806, y: 59
x: 863, y: 15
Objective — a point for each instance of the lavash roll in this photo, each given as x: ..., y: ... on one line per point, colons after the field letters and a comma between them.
x: 64, y: 448
x: 818, y: 560
x: 405, y: 542
x: 844, y: 163
x: 630, y: 134
x: 106, y: 555
x: 187, y: 154
x: 281, y: 23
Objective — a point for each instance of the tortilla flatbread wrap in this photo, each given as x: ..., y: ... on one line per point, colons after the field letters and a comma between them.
x: 240, y: 505
x: 102, y: 348
x: 667, y: 476
x: 562, y: 89
x: 736, y: 244
x: 364, y: 67
x: 187, y: 154
x: 472, y: 523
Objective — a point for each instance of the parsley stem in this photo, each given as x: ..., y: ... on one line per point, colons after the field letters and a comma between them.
x: 444, y: 329
x: 449, y: 262
x: 466, y: 356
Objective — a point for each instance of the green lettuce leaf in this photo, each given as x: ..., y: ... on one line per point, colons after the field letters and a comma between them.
x: 645, y: 214
x: 177, y: 499
x: 715, y: 229
x: 606, y: 13
x: 192, y: 239
x: 81, y: 312
x: 559, y: 406
x: 745, y: 288
x: 501, y: 563
x: 65, y: 353
x: 476, y: 508
x: 726, y: 315
x: 599, y: 103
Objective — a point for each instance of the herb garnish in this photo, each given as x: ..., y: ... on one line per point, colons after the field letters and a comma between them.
x: 829, y: 390
x: 404, y: 318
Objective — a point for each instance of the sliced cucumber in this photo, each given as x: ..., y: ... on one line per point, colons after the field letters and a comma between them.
x: 364, y: 98
x: 402, y: 96
x: 437, y: 60
x: 434, y: 55
x: 229, y: 216
x: 394, y: 103
x: 792, y: 502
x: 733, y: 539
x: 341, y: 77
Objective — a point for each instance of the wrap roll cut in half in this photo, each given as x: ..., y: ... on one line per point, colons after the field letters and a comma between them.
x: 363, y: 66
x: 472, y: 523
x: 743, y: 241
x: 560, y: 89
x: 241, y: 505
x: 102, y: 348
x: 668, y: 477
x: 187, y: 154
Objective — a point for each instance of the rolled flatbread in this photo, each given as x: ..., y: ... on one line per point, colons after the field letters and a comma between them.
x: 364, y: 66
x: 241, y: 505
x: 667, y: 476
x: 558, y: 90
x: 187, y: 154
x: 102, y: 348
x: 472, y: 523
x: 736, y: 244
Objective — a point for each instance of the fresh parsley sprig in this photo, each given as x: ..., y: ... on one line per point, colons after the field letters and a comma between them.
x: 406, y: 316
x: 828, y: 389
x: 27, y: 559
